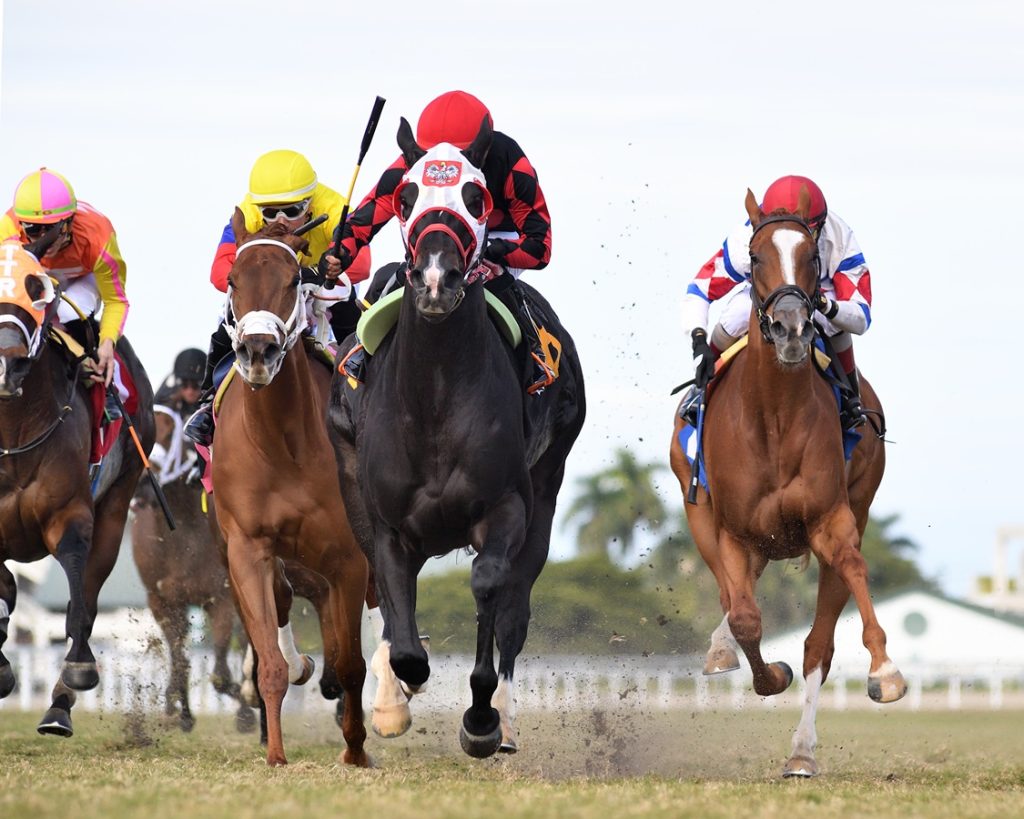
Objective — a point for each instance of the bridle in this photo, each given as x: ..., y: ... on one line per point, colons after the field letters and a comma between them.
x: 259, y: 322
x: 764, y: 320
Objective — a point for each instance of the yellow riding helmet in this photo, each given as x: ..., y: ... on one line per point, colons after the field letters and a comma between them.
x: 281, y: 176
x: 44, y: 197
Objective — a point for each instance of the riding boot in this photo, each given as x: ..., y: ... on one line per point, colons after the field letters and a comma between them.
x: 852, y: 413
x: 690, y: 403
x: 539, y: 373
x: 199, y: 427
x: 344, y: 316
x: 86, y: 332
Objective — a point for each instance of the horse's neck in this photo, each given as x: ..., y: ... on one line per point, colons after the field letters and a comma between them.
x: 286, y: 411
x: 781, y: 396
x: 452, y: 351
x: 44, y: 391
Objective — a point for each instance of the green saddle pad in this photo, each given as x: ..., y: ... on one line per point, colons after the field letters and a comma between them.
x: 377, y: 322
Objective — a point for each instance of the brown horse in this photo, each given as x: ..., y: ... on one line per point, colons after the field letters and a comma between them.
x: 275, y: 482
x: 779, y: 485
x: 47, y: 503
x: 183, y: 568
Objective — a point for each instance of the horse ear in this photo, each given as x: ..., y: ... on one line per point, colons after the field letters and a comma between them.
x: 238, y: 226
x: 803, y: 203
x: 411, y: 151
x: 753, y: 209
x: 476, y: 153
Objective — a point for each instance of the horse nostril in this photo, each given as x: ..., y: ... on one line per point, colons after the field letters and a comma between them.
x: 271, y: 353
x: 807, y: 332
x: 778, y: 330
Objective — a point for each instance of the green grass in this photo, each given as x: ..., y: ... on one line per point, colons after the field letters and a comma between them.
x: 618, y: 763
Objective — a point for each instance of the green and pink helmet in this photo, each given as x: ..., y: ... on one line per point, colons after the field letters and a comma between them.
x: 44, y: 197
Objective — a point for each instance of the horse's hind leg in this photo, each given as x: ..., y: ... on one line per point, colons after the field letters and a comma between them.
x: 838, y: 544
x: 221, y: 611
x: 741, y: 569
x: 481, y: 733
x: 8, y: 597
x: 173, y: 620
x: 300, y: 666
x: 347, y: 577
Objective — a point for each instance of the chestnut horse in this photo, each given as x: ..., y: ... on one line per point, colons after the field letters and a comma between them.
x: 451, y: 451
x: 183, y: 568
x: 779, y: 486
x: 47, y: 503
x: 275, y: 483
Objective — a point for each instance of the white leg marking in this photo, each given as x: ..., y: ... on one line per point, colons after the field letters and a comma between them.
x: 391, y: 716
x: 805, y: 739
x: 786, y: 242
x: 722, y: 656
x: 286, y: 642
x: 376, y: 622
x: 885, y: 669
x: 248, y: 690
x: 504, y: 702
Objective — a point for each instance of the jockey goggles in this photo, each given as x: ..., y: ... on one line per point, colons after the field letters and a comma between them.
x: 33, y: 230
x: 271, y: 213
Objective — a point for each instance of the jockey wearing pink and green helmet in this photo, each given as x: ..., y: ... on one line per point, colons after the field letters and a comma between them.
x: 84, y: 255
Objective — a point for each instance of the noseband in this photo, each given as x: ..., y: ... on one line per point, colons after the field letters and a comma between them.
x: 808, y: 301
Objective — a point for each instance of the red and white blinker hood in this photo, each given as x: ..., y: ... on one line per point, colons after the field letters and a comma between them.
x: 441, y: 174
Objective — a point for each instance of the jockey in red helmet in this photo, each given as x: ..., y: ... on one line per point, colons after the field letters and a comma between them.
x: 844, y: 307
x: 518, y: 229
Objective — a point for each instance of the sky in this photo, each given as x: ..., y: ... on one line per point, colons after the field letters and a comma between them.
x: 646, y: 122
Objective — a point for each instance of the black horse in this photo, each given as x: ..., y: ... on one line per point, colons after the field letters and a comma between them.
x: 48, y: 504
x: 441, y: 449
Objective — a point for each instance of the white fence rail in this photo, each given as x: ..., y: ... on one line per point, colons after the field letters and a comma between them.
x: 137, y: 681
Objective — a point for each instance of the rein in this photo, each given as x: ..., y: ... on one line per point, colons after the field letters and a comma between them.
x: 764, y: 320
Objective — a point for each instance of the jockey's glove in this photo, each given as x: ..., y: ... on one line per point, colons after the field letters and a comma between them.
x: 826, y: 306
x: 703, y: 358
x: 498, y: 249
x: 345, y: 259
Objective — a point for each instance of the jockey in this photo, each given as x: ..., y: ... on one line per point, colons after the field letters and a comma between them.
x: 519, y: 227
x: 844, y: 300
x: 283, y: 188
x: 83, y: 256
x: 181, y: 390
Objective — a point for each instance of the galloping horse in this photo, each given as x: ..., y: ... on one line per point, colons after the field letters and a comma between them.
x: 46, y: 504
x: 276, y: 488
x: 779, y: 487
x: 448, y: 454
x: 183, y: 568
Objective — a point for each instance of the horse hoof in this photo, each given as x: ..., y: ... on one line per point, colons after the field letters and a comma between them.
x: 276, y: 761
x: 188, y: 722
x: 391, y: 722
x: 359, y: 759
x: 248, y: 695
x: 787, y: 674
x: 721, y: 660
x: 7, y: 680
x: 888, y: 685
x: 56, y: 722
x: 308, y: 667
x: 508, y: 746
x: 480, y: 747
x: 245, y: 720
x: 80, y: 676
x: 800, y: 767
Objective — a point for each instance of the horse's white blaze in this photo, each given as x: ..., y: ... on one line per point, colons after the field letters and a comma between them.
x: 786, y: 242
x: 432, y: 273
x: 286, y: 642
x: 504, y: 702
x: 805, y: 739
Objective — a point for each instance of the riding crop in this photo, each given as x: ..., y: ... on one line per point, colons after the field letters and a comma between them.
x: 112, y: 390
x: 371, y: 126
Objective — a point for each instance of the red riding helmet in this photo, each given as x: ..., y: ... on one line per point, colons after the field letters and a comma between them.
x: 453, y: 117
x: 785, y: 193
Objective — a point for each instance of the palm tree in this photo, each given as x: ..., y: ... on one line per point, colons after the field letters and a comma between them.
x: 614, y: 503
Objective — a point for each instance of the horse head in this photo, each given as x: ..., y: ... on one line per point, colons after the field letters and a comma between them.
x: 784, y: 271
x: 28, y: 303
x: 265, y: 297
x: 442, y: 204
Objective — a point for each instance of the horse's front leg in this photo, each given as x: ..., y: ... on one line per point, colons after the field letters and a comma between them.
x: 741, y: 569
x: 505, y: 531
x: 400, y: 660
x: 837, y: 542
x: 8, y: 597
x: 68, y: 538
